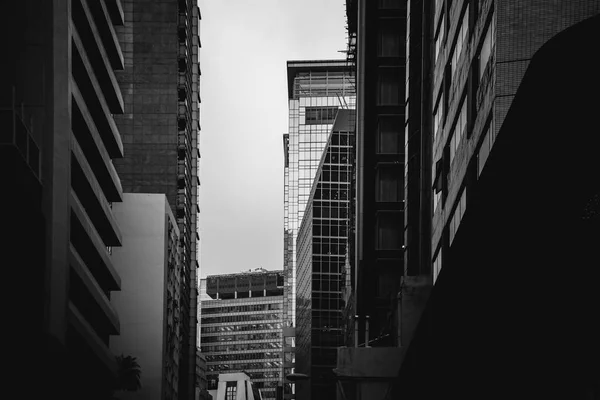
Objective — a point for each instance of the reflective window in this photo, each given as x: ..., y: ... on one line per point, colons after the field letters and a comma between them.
x: 389, y: 183
x: 486, y: 49
x: 388, y: 88
x: 320, y: 115
x: 461, y: 207
x: 458, y: 131
x: 388, y: 135
x: 437, y: 265
x: 389, y: 43
x: 439, y: 37
x: 437, y: 116
x: 484, y: 151
x: 461, y: 38
x: 389, y: 230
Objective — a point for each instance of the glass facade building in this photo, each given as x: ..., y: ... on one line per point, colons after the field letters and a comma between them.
x: 241, y: 327
x: 322, y: 243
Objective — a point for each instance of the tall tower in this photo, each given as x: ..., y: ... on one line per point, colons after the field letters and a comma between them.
x: 316, y: 90
x: 58, y: 140
x: 160, y: 128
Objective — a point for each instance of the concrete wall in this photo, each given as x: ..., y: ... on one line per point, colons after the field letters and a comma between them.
x: 140, y: 303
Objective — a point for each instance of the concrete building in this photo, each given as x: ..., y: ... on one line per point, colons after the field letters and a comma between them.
x: 236, y: 386
x: 201, y: 381
x: 474, y: 227
x: 160, y: 128
x: 316, y: 90
x: 321, y: 251
x: 241, y: 327
x: 150, y: 268
x: 58, y: 140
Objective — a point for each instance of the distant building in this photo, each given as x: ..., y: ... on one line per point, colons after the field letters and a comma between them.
x: 150, y: 297
x: 321, y: 250
x: 317, y: 89
x: 236, y: 386
x: 161, y: 128
x: 201, y: 381
x: 241, y: 327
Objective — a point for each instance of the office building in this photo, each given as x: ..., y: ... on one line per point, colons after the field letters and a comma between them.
x: 484, y: 117
x: 160, y: 129
x: 201, y: 382
x: 316, y: 90
x: 322, y: 241
x: 241, y: 327
x: 377, y: 50
x: 236, y: 386
x: 58, y: 95
x: 149, y: 264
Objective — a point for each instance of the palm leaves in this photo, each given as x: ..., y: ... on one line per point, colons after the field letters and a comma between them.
x: 128, y: 374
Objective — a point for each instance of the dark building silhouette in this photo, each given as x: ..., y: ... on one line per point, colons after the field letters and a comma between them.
x: 58, y: 95
x: 321, y: 255
x: 377, y: 47
x: 516, y: 298
x: 475, y: 276
x: 160, y: 128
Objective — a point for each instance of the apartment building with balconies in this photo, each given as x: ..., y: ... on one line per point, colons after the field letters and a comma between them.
x: 58, y: 97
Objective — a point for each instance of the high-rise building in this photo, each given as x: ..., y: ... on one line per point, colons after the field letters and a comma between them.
x: 148, y: 304
x: 241, y: 327
x: 58, y: 139
x: 316, y: 90
x: 160, y: 128
x: 322, y: 250
x: 484, y: 118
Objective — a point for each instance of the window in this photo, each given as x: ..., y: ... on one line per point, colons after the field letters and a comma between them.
x: 437, y: 183
x: 389, y: 230
x: 459, y: 128
x: 231, y: 391
x: 459, y: 211
x: 484, y: 150
x: 388, y: 88
x: 463, y: 34
x: 389, y: 43
x: 388, y: 135
x: 439, y: 38
x: 437, y: 117
x: 389, y: 183
x: 437, y: 265
x: 320, y: 115
x: 486, y: 49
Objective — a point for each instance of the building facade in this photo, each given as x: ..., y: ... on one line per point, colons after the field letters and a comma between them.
x: 150, y: 269
x: 322, y: 250
x: 161, y: 126
x: 241, y: 327
x: 377, y: 49
x: 316, y: 90
x: 58, y: 95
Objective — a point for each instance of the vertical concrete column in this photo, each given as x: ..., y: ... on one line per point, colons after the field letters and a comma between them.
x: 57, y: 170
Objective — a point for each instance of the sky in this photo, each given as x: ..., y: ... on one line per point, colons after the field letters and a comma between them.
x: 243, y: 115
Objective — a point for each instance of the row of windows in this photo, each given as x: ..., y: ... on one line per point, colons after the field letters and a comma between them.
x: 330, y: 209
x: 320, y: 115
x: 246, y: 366
x: 242, y: 308
x: 241, y: 347
x: 242, y: 356
x: 241, y: 318
x: 241, y: 337
x: 240, y: 328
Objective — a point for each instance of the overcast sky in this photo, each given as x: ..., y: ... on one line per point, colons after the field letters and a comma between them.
x: 243, y: 114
